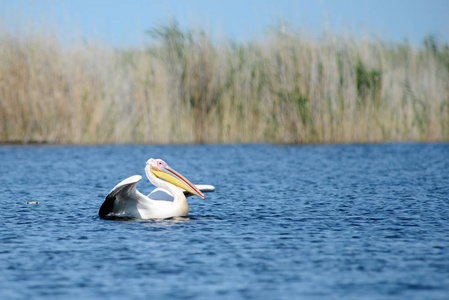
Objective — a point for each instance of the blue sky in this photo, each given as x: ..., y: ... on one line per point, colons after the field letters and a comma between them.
x: 123, y: 23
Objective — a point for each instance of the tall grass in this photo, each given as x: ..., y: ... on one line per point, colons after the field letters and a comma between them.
x: 288, y: 88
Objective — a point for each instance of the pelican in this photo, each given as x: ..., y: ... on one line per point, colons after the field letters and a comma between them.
x: 166, y: 201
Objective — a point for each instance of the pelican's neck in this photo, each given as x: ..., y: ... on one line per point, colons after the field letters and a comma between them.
x: 177, y: 192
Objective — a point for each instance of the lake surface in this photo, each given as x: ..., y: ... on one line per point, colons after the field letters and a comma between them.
x: 285, y: 222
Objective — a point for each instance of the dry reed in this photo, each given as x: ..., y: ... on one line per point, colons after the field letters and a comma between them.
x: 289, y: 88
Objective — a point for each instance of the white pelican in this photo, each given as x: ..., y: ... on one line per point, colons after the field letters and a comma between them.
x: 167, y: 200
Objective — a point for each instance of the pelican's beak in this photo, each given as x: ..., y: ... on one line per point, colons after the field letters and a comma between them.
x: 170, y: 175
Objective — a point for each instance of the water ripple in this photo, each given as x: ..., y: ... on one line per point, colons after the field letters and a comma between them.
x: 337, y: 221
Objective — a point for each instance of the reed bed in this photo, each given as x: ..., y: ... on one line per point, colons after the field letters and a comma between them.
x: 285, y: 88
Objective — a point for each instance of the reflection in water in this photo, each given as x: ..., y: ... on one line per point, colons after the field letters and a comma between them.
x: 167, y: 221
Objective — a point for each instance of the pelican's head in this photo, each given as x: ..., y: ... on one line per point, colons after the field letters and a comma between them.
x: 161, y: 170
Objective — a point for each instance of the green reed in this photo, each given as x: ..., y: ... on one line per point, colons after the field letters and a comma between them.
x: 287, y: 88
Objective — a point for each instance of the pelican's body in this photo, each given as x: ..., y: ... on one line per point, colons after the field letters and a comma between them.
x: 167, y: 200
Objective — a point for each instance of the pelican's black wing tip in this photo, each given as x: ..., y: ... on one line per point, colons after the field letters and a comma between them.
x: 107, y: 206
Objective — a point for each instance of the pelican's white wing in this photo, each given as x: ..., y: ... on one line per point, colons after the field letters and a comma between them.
x: 161, y: 194
x: 123, y: 199
x: 204, y: 188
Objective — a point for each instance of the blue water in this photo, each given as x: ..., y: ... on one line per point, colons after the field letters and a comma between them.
x: 285, y: 222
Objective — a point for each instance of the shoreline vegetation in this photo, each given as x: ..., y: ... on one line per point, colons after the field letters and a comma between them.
x: 287, y: 88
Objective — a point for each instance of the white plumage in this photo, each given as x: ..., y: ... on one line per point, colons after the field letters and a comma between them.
x: 167, y: 200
